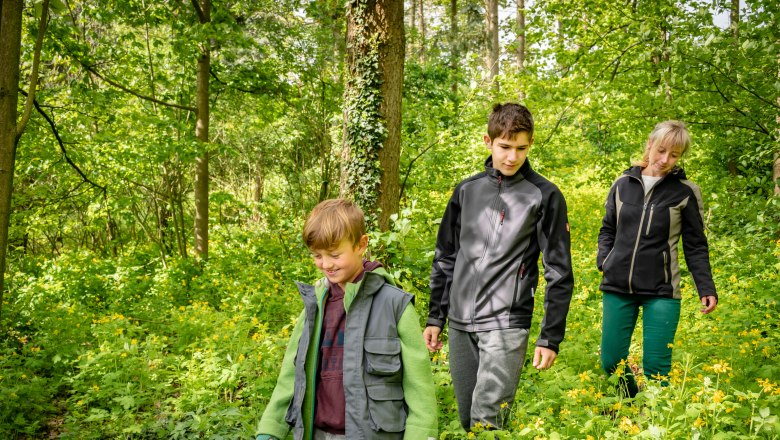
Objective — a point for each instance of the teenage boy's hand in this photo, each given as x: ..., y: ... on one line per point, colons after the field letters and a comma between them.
x: 431, y: 336
x: 544, y: 358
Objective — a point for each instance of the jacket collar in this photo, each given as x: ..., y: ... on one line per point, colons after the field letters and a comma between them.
x: 636, y: 172
x: 521, y: 174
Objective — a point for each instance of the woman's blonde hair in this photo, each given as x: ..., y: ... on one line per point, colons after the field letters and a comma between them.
x: 673, y: 134
x: 332, y: 221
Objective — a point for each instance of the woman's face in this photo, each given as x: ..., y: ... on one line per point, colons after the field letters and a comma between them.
x: 661, y: 159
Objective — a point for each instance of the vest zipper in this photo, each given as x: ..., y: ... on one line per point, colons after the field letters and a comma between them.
x: 318, y: 331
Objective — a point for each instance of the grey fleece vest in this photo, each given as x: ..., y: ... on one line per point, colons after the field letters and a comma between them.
x: 373, y: 376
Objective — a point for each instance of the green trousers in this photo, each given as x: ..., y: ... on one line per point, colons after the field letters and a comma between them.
x: 659, y: 323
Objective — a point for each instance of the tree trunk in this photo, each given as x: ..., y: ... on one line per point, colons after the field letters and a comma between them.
x: 202, y: 133
x: 520, y: 35
x: 734, y: 19
x: 454, y: 49
x: 776, y: 168
x: 521, y: 42
x: 10, y: 49
x: 375, y: 31
x: 422, y: 30
x: 491, y: 21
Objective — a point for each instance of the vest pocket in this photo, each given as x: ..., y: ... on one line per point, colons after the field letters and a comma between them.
x: 383, y: 356
x: 386, y: 407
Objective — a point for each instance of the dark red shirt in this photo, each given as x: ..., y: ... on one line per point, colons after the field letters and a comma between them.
x: 329, y: 415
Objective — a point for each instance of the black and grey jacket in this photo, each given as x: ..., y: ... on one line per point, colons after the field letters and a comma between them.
x: 639, y: 236
x: 485, y: 268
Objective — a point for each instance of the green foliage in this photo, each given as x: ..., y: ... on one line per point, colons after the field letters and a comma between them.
x: 109, y: 330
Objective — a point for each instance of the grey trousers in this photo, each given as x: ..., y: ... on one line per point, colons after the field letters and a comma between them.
x: 485, y: 368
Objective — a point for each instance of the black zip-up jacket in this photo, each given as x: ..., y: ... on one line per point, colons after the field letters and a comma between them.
x: 485, y: 268
x: 639, y: 236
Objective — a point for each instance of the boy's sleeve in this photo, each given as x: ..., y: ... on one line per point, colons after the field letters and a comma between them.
x: 419, y: 392
x: 447, y: 246
x: 273, y: 420
x: 555, y: 243
x: 608, y: 228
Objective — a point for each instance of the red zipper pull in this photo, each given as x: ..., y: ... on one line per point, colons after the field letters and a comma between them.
x: 501, y: 222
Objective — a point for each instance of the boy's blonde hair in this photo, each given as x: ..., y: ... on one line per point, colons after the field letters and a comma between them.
x: 673, y: 134
x: 332, y: 221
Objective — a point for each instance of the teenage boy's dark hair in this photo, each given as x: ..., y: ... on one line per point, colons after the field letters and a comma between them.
x: 509, y: 119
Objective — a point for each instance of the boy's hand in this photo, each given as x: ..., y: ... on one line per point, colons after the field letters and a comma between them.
x: 544, y: 358
x: 431, y: 336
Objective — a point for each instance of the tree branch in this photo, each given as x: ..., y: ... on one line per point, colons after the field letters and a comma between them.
x: 199, y: 10
x: 137, y: 94
x: 728, y: 101
x: 34, y: 74
x: 733, y: 81
x: 62, y: 145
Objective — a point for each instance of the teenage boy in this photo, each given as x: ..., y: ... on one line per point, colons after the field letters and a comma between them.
x: 485, y: 272
x: 355, y: 367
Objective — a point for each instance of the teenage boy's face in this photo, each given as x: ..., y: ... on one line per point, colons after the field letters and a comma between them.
x: 342, y: 263
x: 509, y: 154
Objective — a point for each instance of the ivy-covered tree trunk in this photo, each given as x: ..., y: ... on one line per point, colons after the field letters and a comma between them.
x: 10, y: 48
x: 375, y: 36
x: 203, y: 7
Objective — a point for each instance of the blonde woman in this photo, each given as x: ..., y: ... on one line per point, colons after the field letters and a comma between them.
x: 649, y: 207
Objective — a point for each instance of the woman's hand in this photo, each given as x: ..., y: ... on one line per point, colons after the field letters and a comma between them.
x: 709, y: 302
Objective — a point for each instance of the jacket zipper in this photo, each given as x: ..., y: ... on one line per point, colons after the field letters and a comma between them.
x: 489, y: 241
x: 638, y: 235
x: 320, y: 312
x: 521, y: 272
x: 650, y: 219
x: 666, y: 273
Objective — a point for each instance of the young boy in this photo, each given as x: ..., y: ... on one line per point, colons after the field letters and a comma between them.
x: 356, y: 367
x: 485, y: 272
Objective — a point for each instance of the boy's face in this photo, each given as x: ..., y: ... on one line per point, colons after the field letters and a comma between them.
x: 342, y: 263
x: 509, y: 154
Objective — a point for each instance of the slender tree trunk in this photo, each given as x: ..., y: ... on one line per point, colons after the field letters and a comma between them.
x: 520, y: 35
x: 10, y: 48
x: 734, y: 26
x: 202, y: 133
x: 491, y: 21
x: 413, y: 29
x: 454, y: 46
x: 521, y: 42
x: 776, y: 168
x: 422, y: 31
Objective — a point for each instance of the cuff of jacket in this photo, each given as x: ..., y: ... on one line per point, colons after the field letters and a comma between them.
x: 412, y: 432
x: 435, y: 322
x: 547, y: 344
x: 272, y: 429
